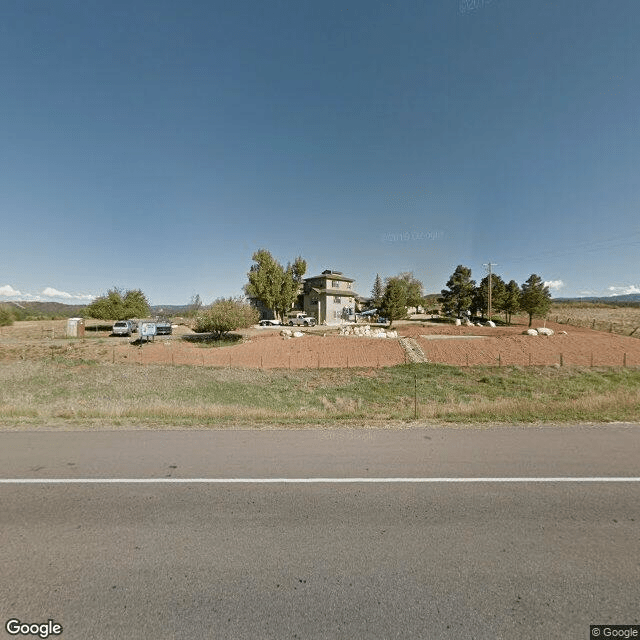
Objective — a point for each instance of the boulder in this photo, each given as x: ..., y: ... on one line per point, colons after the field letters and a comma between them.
x: 491, y: 323
x: 530, y: 332
x: 298, y: 334
x: 458, y: 322
x: 544, y: 331
x: 286, y: 333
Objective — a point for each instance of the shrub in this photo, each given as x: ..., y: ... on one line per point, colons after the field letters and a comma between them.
x: 225, y: 315
x: 6, y: 317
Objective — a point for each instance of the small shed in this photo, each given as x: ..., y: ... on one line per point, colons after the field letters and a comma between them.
x: 75, y: 327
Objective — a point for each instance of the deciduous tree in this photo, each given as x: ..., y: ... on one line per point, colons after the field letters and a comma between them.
x: 116, y: 306
x: 225, y: 315
x: 414, y: 289
x: 276, y: 287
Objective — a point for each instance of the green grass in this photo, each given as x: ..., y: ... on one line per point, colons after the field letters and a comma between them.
x: 72, y: 392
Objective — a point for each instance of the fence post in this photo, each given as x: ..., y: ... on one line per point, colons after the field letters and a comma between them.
x: 561, y: 360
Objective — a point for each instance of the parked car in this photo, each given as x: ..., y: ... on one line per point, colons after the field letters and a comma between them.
x: 301, y: 319
x: 269, y: 323
x: 123, y: 328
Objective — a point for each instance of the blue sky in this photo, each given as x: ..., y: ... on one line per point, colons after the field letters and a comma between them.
x: 157, y: 144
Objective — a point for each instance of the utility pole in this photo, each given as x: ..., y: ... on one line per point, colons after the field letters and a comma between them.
x: 489, y: 265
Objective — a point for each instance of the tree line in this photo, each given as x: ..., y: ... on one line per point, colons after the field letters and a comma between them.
x: 462, y: 295
x: 277, y: 287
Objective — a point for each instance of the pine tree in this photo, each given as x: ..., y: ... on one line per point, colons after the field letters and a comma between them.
x: 459, y: 296
x: 511, y: 300
x: 535, y: 298
x: 377, y: 292
x: 481, y: 294
x: 394, y: 301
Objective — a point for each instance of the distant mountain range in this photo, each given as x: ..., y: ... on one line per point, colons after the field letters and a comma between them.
x: 61, y: 310
x: 626, y: 298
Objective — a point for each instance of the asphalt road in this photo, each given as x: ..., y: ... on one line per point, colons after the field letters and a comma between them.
x: 483, y: 559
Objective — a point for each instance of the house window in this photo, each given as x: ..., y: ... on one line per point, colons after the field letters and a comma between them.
x: 348, y: 285
x: 335, y: 284
x: 337, y: 299
x: 313, y: 302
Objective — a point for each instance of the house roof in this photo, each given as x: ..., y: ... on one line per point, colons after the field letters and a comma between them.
x: 334, y: 275
x: 335, y: 292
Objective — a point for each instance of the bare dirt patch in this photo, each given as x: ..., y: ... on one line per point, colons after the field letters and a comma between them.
x: 322, y: 348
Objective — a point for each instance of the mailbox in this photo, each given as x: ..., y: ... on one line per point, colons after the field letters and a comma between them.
x: 146, y: 330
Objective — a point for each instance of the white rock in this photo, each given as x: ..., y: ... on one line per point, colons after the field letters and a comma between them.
x: 530, y: 332
x: 298, y: 334
x: 544, y: 331
x: 491, y: 323
x: 286, y: 332
x: 458, y: 322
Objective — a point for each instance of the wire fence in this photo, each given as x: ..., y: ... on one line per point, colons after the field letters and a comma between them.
x: 620, y: 328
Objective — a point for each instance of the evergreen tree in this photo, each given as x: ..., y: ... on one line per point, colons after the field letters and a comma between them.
x: 481, y: 294
x: 394, y: 301
x: 511, y: 302
x: 535, y: 298
x: 459, y: 296
x: 377, y: 292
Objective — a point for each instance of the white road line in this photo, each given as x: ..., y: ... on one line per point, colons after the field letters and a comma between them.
x: 310, y: 480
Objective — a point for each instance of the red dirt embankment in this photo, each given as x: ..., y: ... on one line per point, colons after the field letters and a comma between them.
x: 507, y: 345
x: 267, y: 349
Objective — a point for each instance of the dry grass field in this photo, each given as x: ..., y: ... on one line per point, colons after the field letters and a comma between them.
x: 263, y: 380
x: 601, y: 317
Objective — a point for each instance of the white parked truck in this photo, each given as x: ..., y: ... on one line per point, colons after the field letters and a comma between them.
x: 302, y: 320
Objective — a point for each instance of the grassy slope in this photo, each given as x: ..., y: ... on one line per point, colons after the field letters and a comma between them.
x: 67, y: 392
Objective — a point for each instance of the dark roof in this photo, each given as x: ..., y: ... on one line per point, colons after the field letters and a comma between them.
x: 332, y: 275
x: 335, y: 292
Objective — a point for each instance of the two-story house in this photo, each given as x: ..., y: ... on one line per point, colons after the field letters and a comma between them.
x: 329, y: 297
